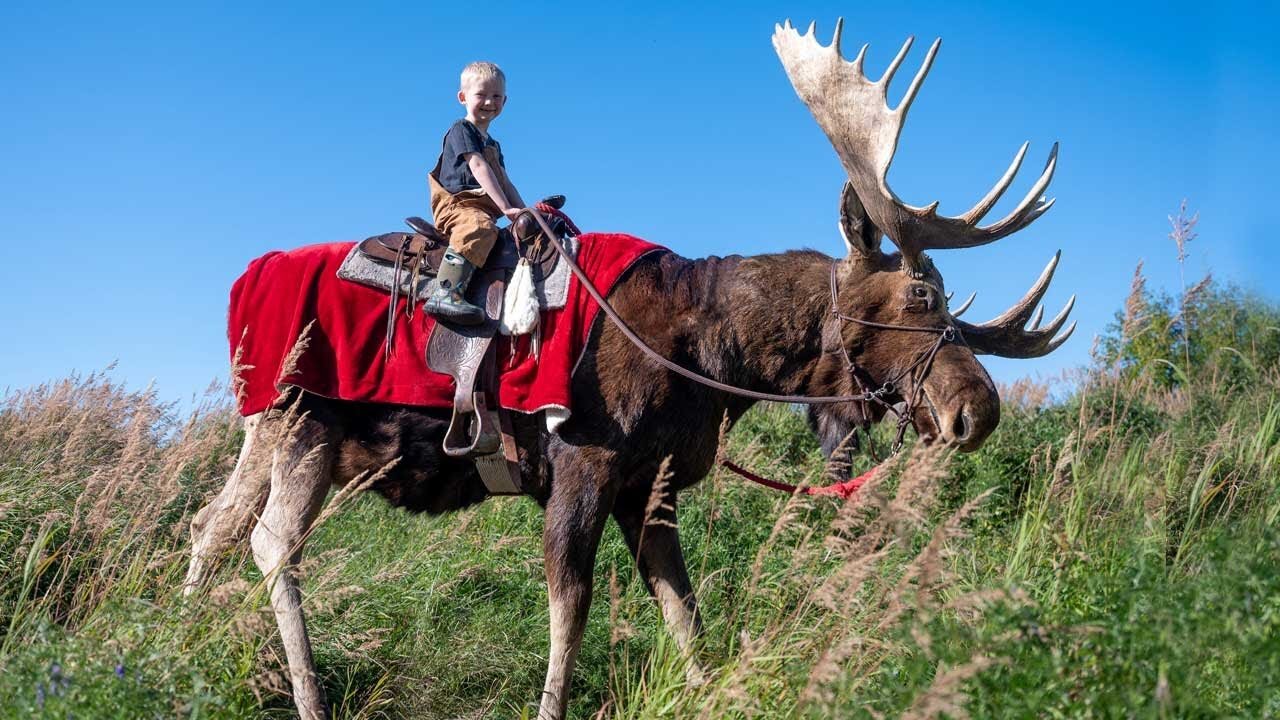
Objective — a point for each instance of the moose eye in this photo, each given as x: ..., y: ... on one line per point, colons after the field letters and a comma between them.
x: 920, y: 291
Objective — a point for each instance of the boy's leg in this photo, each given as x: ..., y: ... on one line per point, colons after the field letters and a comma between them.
x: 472, y: 235
x: 468, y: 219
x: 472, y: 231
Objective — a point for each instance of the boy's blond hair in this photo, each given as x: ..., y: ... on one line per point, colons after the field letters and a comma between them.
x: 480, y: 71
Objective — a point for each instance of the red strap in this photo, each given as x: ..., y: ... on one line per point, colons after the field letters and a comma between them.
x: 843, y: 490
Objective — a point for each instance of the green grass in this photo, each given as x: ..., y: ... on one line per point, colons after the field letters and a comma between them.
x: 1111, y: 553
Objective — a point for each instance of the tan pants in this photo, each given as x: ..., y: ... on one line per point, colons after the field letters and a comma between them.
x: 469, y: 218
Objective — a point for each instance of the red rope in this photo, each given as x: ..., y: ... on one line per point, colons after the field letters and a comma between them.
x: 843, y: 490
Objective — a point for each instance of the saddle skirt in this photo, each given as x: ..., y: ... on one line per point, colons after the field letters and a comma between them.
x: 295, y: 300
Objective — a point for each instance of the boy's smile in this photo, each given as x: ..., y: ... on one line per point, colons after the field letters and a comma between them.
x: 484, y: 100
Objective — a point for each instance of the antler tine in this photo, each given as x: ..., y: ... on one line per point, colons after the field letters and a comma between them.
x: 892, y: 70
x: 918, y: 80
x: 964, y: 230
x: 1009, y: 336
x: 1057, y: 342
x: 856, y: 66
x: 1061, y: 317
x: 964, y: 305
x: 983, y: 206
x: 1033, y: 205
x: 1021, y: 310
x: 1014, y: 341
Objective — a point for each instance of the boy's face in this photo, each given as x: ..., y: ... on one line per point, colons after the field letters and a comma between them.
x: 483, y: 99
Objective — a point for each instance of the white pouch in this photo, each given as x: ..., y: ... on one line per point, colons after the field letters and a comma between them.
x: 520, y: 303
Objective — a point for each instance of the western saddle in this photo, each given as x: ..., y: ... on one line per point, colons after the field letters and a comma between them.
x: 480, y: 428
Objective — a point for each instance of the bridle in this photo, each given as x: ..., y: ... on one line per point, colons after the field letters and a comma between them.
x: 916, y: 372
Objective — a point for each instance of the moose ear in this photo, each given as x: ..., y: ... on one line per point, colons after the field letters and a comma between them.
x: 861, y: 236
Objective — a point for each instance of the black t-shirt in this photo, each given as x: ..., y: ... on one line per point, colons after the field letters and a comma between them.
x: 454, y: 172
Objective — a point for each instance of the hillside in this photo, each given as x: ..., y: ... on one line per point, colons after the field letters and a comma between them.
x: 1113, y: 551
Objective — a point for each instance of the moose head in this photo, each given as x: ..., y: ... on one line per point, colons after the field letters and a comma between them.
x: 891, y: 320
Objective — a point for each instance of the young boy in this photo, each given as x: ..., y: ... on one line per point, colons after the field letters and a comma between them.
x: 470, y: 191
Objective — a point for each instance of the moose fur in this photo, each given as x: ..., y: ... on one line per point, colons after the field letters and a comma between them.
x: 763, y: 323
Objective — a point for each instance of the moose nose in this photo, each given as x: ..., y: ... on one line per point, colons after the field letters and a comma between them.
x: 969, y: 425
x: 960, y: 430
x: 961, y: 426
x: 957, y: 428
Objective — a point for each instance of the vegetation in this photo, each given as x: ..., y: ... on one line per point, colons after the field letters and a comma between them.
x: 1109, y: 553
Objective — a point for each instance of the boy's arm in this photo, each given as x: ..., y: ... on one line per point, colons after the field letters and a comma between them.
x: 492, y: 186
x: 512, y: 194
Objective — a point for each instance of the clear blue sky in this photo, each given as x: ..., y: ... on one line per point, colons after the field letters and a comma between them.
x: 151, y: 151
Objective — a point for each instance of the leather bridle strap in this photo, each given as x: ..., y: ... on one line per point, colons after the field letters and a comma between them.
x: 865, y: 396
x: 395, y: 296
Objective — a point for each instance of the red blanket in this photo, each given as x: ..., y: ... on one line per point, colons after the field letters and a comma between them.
x: 282, y: 292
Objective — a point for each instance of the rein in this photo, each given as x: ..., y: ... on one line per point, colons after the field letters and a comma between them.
x: 916, y: 372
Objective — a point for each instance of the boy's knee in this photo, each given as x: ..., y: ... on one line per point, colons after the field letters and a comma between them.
x: 476, y: 243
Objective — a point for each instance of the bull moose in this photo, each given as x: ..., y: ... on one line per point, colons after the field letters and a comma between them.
x: 798, y: 322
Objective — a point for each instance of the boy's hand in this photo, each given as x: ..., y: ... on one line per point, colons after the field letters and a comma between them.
x: 512, y: 213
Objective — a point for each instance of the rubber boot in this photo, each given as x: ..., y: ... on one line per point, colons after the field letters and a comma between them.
x: 448, y: 301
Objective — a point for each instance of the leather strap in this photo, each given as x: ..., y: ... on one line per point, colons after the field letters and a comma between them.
x: 673, y: 367
x: 391, y: 307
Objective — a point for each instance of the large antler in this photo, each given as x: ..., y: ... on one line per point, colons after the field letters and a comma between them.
x: 853, y: 111
x: 1008, y: 334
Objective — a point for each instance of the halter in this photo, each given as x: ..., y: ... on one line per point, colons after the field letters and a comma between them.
x: 923, y: 363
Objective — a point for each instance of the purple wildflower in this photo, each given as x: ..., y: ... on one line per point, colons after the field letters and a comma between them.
x: 57, y: 681
x: 120, y: 670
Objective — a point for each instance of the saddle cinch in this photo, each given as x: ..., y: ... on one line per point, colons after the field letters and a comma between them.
x: 405, y: 264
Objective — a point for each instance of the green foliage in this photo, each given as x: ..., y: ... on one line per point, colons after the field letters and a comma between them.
x: 1172, y: 341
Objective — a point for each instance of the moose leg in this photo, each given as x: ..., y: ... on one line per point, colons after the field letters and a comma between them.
x: 227, y: 517
x: 300, y: 477
x: 573, y: 521
x: 656, y: 548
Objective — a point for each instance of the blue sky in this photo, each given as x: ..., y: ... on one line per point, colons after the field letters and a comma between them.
x: 151, y: 151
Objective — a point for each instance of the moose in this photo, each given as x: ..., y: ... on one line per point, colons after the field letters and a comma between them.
x: 797, y: 322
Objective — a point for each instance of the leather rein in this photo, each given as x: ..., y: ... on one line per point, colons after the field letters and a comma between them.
x: 916, y: 372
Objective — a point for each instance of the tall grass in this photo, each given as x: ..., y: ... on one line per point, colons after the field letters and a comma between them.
x: 1110, y: 552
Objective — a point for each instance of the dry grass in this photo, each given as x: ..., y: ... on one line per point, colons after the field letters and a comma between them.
x: 98, y: 486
